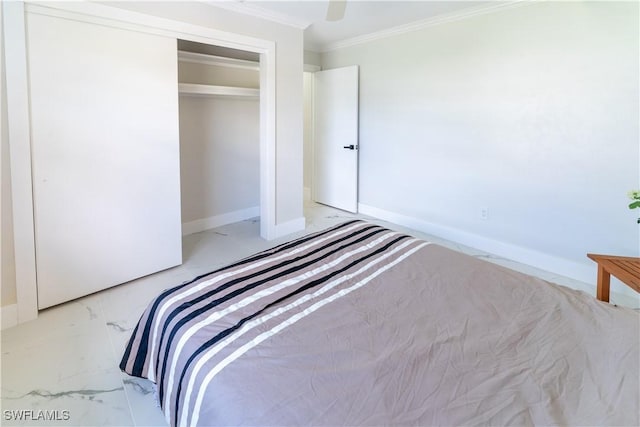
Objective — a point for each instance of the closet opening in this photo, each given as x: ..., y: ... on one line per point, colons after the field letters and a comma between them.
x: 219, y: 116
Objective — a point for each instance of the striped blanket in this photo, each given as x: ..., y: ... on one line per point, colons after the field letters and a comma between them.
x: 340, y: 327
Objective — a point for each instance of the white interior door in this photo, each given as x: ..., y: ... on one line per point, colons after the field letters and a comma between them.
x: 105, y: 153
x: 335, y: 181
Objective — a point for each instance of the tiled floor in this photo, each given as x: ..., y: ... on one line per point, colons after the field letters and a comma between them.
x: 66, y: 361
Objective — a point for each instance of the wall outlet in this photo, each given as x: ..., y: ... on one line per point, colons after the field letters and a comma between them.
x: 484, y: 213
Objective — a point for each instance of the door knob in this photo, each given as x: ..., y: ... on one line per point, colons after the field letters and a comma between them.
x: 350, y: 147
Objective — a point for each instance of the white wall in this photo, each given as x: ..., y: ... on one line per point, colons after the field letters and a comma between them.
x: 219, y: 156
x: 531, y: 112
x: 312, y: 58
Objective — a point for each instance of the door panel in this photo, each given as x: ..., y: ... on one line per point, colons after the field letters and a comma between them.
x: 104, y: 105
x: 336, y: 128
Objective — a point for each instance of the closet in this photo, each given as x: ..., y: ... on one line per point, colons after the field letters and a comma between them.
x: 123, y: 138
x: 136, y: 140
x: 219, y: 116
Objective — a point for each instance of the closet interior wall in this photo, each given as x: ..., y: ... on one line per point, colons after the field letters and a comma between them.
x: 219, y: 135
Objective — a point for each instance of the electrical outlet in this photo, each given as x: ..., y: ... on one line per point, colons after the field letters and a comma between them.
x: 484, y: 213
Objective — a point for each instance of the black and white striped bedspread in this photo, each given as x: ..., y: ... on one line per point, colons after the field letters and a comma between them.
x: 191, y: 333
x: 359, y: 325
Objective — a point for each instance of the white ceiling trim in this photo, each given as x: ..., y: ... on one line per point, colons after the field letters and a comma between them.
x: 425, y: 23
x: 259, y: 12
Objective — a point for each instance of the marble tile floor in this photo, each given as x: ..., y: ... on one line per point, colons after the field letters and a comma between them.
x: 65, y: 363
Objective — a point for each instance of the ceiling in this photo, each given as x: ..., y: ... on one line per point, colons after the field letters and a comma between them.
x: 362, y: 17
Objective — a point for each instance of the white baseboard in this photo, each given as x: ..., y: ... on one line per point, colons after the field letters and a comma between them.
x: 9, y: 316
x: 560, y: 266
x: 219, y: 220
x: 290, y: 227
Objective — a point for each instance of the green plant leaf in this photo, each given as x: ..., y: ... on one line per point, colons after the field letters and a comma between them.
x: 634, y: 205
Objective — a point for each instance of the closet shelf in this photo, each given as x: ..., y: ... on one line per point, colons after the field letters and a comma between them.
x: 191, y: 89
x: 221, y: 61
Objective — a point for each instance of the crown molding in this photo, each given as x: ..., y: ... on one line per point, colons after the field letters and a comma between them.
x: 259, y: 12
x: 426, y: 23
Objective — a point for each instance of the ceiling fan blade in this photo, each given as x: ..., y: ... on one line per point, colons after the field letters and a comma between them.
x: 335, y: 10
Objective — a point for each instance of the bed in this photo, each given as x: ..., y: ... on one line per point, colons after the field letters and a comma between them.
x: 361, y: 325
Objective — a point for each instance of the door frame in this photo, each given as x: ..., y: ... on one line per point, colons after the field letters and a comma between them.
x: 13, y: 17
x: 311, y: 70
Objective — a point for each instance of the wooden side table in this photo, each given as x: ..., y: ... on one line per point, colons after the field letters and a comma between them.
x: 627, y: 269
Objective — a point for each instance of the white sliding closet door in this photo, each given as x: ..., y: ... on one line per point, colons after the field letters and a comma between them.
x: 104, y: 105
